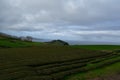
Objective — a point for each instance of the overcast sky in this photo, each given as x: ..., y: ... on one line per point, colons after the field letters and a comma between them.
x: 91, y: 20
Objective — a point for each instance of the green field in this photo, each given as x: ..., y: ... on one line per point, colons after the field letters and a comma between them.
x: 51, y: 62
x: 98, y: 47
x: 9, y: 43
x: 108, y: 71
x: 24, y: 60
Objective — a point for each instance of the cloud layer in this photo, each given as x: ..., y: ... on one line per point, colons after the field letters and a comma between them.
x: 62, y: 19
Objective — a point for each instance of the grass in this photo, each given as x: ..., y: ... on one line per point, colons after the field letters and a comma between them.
x: 98, y: 47
x: 49, y: 62
x: 21, y: 60
x: 97, y: 73
x: 15, y: 63
x: 6, y: 43
x: 45, y: 53
x: 107, y: 67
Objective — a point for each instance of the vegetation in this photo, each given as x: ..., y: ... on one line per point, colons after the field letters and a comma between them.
x: 26, y: 60
x: 98, y: 47
x: 4, y: 43
x: 7, y: 41
x: 51, y: 62
x: 57, y: 42
x: 100, y: 73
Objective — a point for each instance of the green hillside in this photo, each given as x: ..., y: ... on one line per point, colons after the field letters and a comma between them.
x: 7, y: 41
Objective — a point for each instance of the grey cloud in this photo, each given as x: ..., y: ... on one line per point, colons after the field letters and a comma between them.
x: 57, y: 18
x: 71, y: 12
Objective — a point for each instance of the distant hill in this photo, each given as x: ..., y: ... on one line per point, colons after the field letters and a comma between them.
x: 8, y: 41
x: 57, y: 42
x: 11, y: 37
x: 6, y: 36
x: 72, y: 42
x: 78, y: 42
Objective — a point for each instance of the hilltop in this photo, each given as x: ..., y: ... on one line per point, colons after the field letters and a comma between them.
x: 58, y: 42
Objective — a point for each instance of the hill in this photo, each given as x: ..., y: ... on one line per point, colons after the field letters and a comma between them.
x: 6, y: 36
x: 9, y: 41
x: 58, y: 42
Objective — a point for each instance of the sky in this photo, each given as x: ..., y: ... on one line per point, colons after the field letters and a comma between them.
x: 81, y: 20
